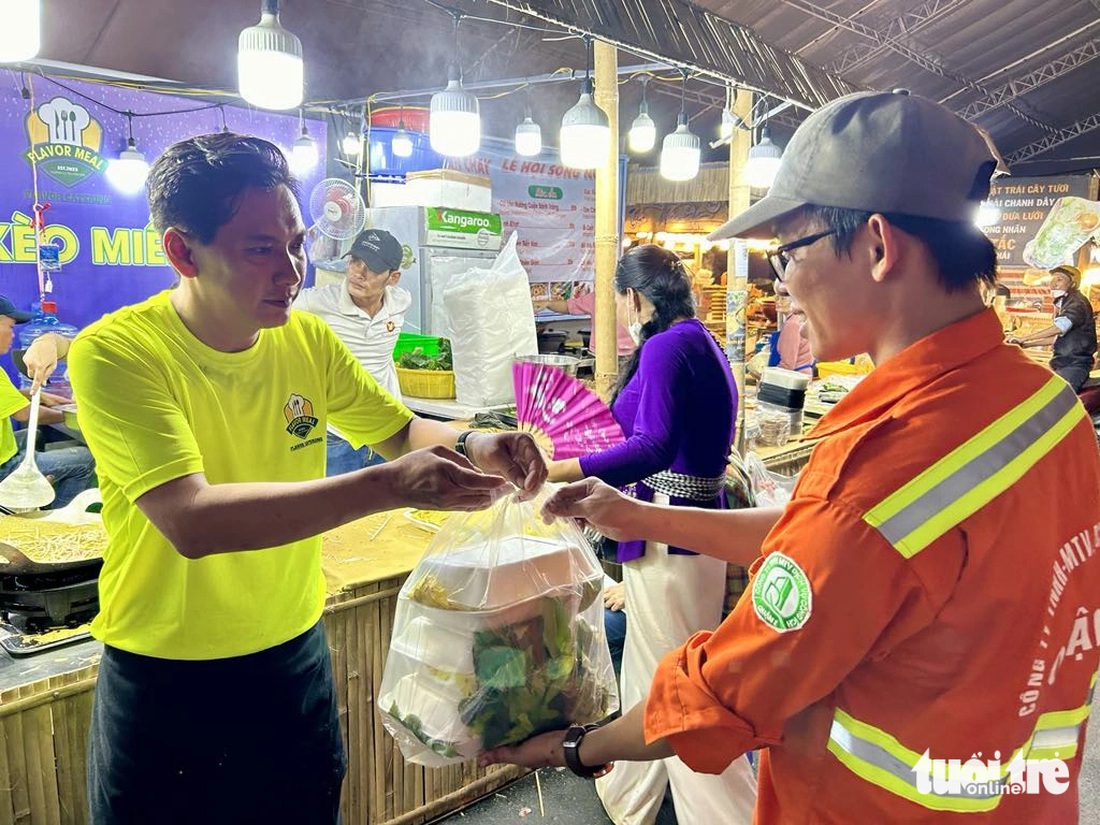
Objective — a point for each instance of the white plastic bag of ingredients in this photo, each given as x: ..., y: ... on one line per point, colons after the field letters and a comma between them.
x: 491, y: 321
x: 498, y: 636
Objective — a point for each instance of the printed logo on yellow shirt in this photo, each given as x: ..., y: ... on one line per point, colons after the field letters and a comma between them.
x: 781, y: 593
x: 299, y: 415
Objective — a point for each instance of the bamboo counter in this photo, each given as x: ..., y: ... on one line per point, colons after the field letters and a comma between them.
x: 46, y: 701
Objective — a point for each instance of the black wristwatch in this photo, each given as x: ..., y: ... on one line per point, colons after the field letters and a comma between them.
x: 570, y: 747
x: 460, y: 445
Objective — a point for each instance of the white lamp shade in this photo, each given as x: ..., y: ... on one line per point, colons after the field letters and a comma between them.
x: 128, y: 172
x: 727, y: 125
x: 585, y: 135
x: 401, y: 145
x: 643, y: 133
x: 764, y: 159
x: 21, y: 32
x: 528, y: 138
x: 680, y: 154
x: 303, y: 155
x: 269, y: 65
x: 351, y: 144
x: 454, y: 125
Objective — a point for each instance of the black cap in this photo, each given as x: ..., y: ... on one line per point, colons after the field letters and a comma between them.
x: 378, y: 249
x: 17, y: 315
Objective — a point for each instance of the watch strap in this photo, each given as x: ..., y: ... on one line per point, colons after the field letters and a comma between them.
x: 571, y: 744
x: 460, y: 444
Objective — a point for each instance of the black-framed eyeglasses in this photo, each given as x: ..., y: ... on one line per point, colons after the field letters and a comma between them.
x: 778, y: 257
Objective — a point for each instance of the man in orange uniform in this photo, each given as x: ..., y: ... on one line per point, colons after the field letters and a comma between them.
x: 909, y: 608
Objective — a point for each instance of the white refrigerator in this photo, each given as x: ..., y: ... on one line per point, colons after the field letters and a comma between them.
x: 439, y: 244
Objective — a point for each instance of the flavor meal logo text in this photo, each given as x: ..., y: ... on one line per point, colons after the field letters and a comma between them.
x: 65, y: 141
x: 299, y: 416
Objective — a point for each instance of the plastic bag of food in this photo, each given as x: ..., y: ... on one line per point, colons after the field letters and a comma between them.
x: 769, y: 489
x: 498, y: 636
x: 1069, y: 225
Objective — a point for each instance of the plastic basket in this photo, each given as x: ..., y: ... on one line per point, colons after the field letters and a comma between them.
x: 408, y: 341
x: 827, y: 368
x: 426, y: 383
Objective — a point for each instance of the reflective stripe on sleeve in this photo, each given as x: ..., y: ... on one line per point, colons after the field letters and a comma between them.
x: 973, y: 474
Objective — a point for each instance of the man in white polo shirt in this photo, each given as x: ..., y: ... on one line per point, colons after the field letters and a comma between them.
x: 366, y: 312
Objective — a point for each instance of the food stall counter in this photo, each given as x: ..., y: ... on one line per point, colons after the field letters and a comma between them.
x: 46, y: 700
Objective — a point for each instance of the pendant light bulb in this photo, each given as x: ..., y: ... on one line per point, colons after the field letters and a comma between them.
x: 763, y: 163
x: 585, y: 136
x: 303, y: 155
x: 643, y: 131
x: 401, y: 145
x: 681, y: 150
x: 642, y: 136
x: 351, y: 144
x: 128, y: 172
x: 454, y: 119
x: 680, y: 153
x: 528, y: 138
x: 21, y: 34
x: 270, y: 71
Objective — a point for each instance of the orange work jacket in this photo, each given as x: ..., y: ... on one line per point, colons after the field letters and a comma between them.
x: 931, y: 593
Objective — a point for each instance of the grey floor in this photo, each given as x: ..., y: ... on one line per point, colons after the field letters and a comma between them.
x: 572, y: 801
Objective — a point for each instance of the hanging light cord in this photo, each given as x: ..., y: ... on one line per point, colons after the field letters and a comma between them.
x: 38, y: 208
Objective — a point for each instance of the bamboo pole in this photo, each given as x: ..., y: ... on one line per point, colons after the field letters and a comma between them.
x: 737, y: 263
x: 607, y: 223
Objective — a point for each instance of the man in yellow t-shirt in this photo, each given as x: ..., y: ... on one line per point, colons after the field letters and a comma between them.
x: 69, y: 469
x: 206, y: 408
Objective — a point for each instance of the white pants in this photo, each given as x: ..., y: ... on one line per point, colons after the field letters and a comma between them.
x: 668, y: 598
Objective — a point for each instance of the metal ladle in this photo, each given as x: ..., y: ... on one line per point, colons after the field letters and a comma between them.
x: 26, y: 488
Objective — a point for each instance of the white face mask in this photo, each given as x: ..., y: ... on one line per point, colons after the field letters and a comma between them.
x: 1057, y: 293
x: 634, y: 328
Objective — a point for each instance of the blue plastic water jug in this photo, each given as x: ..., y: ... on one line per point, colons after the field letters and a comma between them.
x: 46, y: 320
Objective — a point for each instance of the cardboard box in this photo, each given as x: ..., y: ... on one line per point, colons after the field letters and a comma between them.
x: 446, y: 187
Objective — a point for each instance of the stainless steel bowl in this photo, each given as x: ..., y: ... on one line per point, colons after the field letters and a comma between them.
x: 566, y: 363
x: 69, y: 412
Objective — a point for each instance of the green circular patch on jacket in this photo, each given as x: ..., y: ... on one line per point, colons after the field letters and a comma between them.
x: 781, y: 594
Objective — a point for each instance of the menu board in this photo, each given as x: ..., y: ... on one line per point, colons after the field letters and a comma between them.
x: 1024, y: 204
x: 553, y: 210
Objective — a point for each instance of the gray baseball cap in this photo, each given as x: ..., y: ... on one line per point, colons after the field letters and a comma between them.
x: 876, y: 152
x: 378, y: 248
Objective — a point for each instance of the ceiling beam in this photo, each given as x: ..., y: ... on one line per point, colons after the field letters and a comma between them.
x: 1032, y: 80
x: 691, y: 37
x: 907, y: 24
x: 928, y: 62
x: 1039, y: 147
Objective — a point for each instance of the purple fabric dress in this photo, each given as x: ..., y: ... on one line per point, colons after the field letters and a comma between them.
x: 678, y: 413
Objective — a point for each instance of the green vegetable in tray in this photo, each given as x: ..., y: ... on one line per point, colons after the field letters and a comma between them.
x: 417, y: 360
x: 533, y: 676
x: 414, y: 726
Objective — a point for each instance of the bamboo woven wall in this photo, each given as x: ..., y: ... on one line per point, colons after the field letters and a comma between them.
x: 44, y: 735
x: 645, y: 185
x: 44, y: 728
